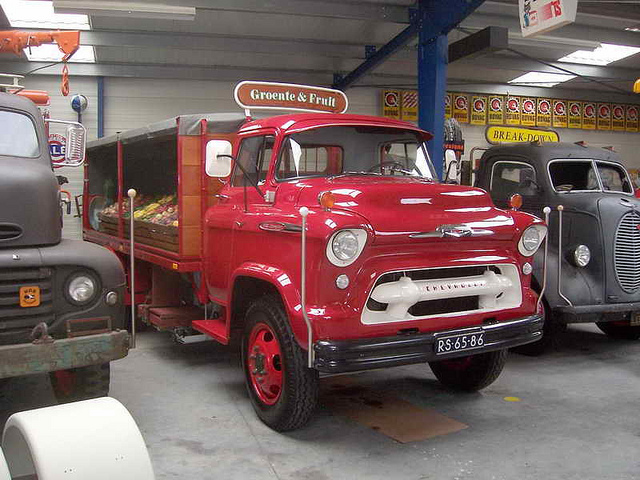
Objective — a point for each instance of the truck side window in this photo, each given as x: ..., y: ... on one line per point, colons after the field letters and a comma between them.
x: 18, y: 135
x: 508, y: 178
x: 254, y: 155
x: 613, y: 178
x: 573, y: 176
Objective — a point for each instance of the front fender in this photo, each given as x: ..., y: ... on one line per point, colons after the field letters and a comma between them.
x: 281, y: 281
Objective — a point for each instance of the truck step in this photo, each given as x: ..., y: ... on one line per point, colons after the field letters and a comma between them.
x: 217, y: 329
x: 166, y: 318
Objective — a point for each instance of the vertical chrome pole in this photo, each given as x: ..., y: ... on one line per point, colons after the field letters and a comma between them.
x: 560, y: 210
x: 546, y: 211
x: 304, y: 211
x: 132, y: 272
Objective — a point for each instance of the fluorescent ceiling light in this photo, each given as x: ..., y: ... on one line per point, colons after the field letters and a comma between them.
x: 30, y: 14
x: 125, y: 9
x: 541, y: 79
x: 603, y: 55
x: 51, y: 53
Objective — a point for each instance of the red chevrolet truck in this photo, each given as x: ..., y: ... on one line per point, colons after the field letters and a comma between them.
x: 323, y: 240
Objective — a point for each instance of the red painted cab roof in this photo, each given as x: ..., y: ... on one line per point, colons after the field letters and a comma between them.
x: 303, y: 121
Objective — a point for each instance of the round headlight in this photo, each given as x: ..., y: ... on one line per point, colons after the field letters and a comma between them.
x: 582, y: 255
x: 81, y: 288
x: 531, y: 239
x: 345, y: 245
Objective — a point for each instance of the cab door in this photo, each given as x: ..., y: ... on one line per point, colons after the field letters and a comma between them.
x: 228, y: 218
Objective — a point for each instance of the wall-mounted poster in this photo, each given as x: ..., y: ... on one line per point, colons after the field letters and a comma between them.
x: 589, y: 115
x: 448, y: 111
x: 604, y: 116
x: 409, y: 110
x: 543, y: 118
x: 496, y: 110
x: 391, y: 104
x: 528, y: 111
x: 513, y: 111
x: 461, y: 107
x: 560, y: 118
x: 478, y: 110
x: 631, y: 124
x: 575, y: 114
x: 617, y: 117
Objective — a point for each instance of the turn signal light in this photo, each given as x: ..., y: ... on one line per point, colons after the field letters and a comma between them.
x: 515, y: 201
x: 327, y: 200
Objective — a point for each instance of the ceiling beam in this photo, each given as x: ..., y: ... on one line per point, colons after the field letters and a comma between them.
x: 226, y: 43
x: 309, y: 8
x: 572, y: 31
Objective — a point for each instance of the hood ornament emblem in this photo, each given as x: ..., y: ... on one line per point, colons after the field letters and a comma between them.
x: 449, y: 230
x: 15, y: 256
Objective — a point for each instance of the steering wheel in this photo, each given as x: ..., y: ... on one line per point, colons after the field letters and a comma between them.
x: 390, y: 163
x: 565, y: 187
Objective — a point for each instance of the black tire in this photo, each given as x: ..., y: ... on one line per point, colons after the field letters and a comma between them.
x: 620, y: 332
x: 471, y: 373
x: 81, y: 383
x: 550, y: 332
x: 297, y: 396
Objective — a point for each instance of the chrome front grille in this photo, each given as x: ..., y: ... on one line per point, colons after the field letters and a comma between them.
x: 627, y: 252
x: 13, y: 317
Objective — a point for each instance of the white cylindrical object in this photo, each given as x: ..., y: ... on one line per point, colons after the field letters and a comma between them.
x: 4, y: 468
x: 94, y: 439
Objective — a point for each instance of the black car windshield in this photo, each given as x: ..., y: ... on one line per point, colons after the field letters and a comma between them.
x: 588, y: 176
x: 354, y: 150
x: 18, y: 135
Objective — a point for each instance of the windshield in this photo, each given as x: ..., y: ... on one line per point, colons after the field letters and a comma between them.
x: 588, y: 176
x: 333, y: 151
x: 18, y: 135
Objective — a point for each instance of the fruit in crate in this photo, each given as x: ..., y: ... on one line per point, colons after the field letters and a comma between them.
x: 160, y: 209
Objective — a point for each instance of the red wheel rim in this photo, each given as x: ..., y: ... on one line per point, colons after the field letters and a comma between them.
x: 264, y: 364
x: 65, y: 382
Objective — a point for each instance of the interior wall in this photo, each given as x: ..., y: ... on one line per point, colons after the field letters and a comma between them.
x: 135, y: 102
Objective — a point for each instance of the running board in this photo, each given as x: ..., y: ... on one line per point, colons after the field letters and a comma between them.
x: 216, y: 329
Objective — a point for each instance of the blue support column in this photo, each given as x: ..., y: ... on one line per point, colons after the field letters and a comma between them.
x: 100, y: 107
x: 432, y: 88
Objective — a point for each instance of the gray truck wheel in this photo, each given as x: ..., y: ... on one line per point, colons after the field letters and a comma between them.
x: 616, y: 330
x: 471, y: 373
x: 81, y: 383
x: 283, y: 390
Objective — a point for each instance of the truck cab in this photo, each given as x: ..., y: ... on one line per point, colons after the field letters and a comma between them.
x: 61, y: 301
x: 594, y: 230
x: 324, y: 241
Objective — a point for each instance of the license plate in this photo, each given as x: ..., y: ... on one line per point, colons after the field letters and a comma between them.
x: 29, y: 297
x: 459, y: 343
x: 635, y: 319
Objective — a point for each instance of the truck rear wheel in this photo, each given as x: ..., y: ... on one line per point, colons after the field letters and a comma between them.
x: 283, y: 390
x: 619, y: 330
x: 472, y: 373
x: 81, y: 383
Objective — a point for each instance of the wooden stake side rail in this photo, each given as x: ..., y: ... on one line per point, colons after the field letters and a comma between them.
x: 162, y: 258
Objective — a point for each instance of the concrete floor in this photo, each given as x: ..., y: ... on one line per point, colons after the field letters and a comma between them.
x: 577, y: 418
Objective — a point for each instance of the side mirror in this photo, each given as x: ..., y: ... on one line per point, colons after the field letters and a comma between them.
x: 218, y: 158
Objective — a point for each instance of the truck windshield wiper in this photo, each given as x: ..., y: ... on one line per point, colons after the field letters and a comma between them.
x: 346, y: 174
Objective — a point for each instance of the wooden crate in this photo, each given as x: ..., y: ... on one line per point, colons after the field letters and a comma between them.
x: 160, y: 236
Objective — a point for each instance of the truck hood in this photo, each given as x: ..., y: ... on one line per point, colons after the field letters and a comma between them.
x: 29, y: 203
x: 398, y: 207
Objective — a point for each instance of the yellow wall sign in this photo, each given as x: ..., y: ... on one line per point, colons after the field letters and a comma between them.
x: 496, y: 135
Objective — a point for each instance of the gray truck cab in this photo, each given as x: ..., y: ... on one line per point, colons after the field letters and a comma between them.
x: 61, y: 301
x: 593, y: 272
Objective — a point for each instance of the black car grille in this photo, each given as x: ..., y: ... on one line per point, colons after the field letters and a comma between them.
x: 627, y: 252
x: 14, y: 319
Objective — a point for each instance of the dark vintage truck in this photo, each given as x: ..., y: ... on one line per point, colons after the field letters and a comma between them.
x: 61, y: 301
x: 322, y: 240
x: 593, y: 272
